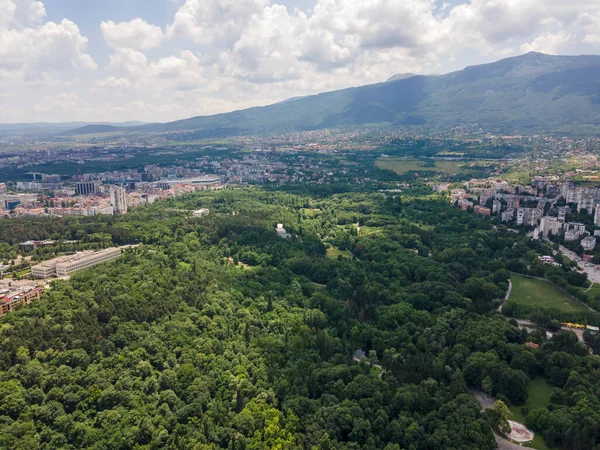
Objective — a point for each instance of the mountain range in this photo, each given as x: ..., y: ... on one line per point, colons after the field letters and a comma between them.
x: 531, y: 93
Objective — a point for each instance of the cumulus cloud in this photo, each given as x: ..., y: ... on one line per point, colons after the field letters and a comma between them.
x: 50, y: 46
x: 28, y: 49
x: 136, y: 34
x: 219, y: 22
x: 30, y: 11
x: 591, y: 25
x: 182, y: 72
x: 65, y: 102
x: 113, y: 85
x: 218, y: 55
x: 548, y: 43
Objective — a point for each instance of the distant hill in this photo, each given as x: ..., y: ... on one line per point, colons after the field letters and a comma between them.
x: 532, y: 93
x: 93, y: 129
x: 401, y: 76
x: 48, y: 129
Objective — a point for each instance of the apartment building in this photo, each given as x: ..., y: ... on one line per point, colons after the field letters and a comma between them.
x: 588, y: 243
x: 118, y: 200
x: 11, y: 298
x: 551, y: 225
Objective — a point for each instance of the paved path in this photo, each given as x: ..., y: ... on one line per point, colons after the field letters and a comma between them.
x: 503, y: 444
x: 506, y: 297
x: 486, y: 401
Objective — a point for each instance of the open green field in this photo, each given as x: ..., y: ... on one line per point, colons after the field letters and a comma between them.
x: 591, y: 292
x: 333, y: 253
x: 534, y: 292
x: 405, y: 165
x: 539, y: 397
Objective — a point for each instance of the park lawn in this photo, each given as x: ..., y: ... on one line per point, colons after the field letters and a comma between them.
x: 333, y: 253
x: 592, y: 292
x: 539, y: 397
x: 535, y: 292
x: 405, y: 165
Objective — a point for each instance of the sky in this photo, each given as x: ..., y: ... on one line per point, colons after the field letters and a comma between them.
x: 163, y: 60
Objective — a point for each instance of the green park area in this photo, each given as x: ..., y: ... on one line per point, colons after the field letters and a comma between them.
x: 592, y: 292
x: 449, y: 167
x: 539, y: 392
x: 541, y: 293
x: 334, y: 253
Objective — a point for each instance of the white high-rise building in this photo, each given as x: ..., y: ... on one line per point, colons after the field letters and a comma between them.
x: 597, y: 215
x: 118, y: 200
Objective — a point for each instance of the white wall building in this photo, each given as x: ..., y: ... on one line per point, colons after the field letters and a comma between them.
x: 589, y: 243
x: 67, y: 265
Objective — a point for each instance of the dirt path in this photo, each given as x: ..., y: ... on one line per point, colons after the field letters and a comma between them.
x: 506, y: 297
x: 377, y: 366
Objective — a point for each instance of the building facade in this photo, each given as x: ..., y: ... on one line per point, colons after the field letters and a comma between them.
x: 87, y: 188
x: 67, y: 265
x: 118, y: 200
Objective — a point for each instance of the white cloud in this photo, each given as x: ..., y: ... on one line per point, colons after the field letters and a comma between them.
x: 183, y: 72
x: 112, y: 85
x: 136, y: 34
x: 30, y: 11
x: 28, y: 50
x: 50, y: 46
x: 65, y: 102
x: 218, y: 55
x: 219, y: 22
x: 591, y: 25
x: 548, y: 43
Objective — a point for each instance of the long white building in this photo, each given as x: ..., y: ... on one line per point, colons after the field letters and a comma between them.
x: 67, y: 265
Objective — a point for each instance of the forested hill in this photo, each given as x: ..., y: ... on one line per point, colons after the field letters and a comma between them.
x: 217, y: 333
x: 532, y: 93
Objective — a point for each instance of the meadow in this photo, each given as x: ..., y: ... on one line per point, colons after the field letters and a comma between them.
x: 541, y: 293
x: 539, y: 397
x: 402, y: 166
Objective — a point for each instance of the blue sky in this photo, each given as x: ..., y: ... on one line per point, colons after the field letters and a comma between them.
x: 161, y: 60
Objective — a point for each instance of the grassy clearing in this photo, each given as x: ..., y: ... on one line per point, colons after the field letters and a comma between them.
x: 534, y: 292
x: 405, y: 165
x: 333, y: 253
x: 539, y: 397
x: 592, y: 292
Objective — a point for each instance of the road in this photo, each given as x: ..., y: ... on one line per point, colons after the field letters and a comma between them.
x: 528, y: 324
x: 592, y: 270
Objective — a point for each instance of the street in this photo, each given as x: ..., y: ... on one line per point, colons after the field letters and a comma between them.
x: 592, y: 270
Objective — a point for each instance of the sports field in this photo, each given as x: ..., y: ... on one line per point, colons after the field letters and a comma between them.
x: 534, y: 292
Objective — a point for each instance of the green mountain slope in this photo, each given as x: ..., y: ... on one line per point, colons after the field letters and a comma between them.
x: 528, y: 93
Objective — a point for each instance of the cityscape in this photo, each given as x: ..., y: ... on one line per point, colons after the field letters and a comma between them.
x: 300, y: 225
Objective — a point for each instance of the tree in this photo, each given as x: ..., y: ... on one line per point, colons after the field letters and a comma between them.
x: 498, y: 417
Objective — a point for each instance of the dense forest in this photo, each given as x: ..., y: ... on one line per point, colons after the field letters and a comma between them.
x: 218, y: 333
